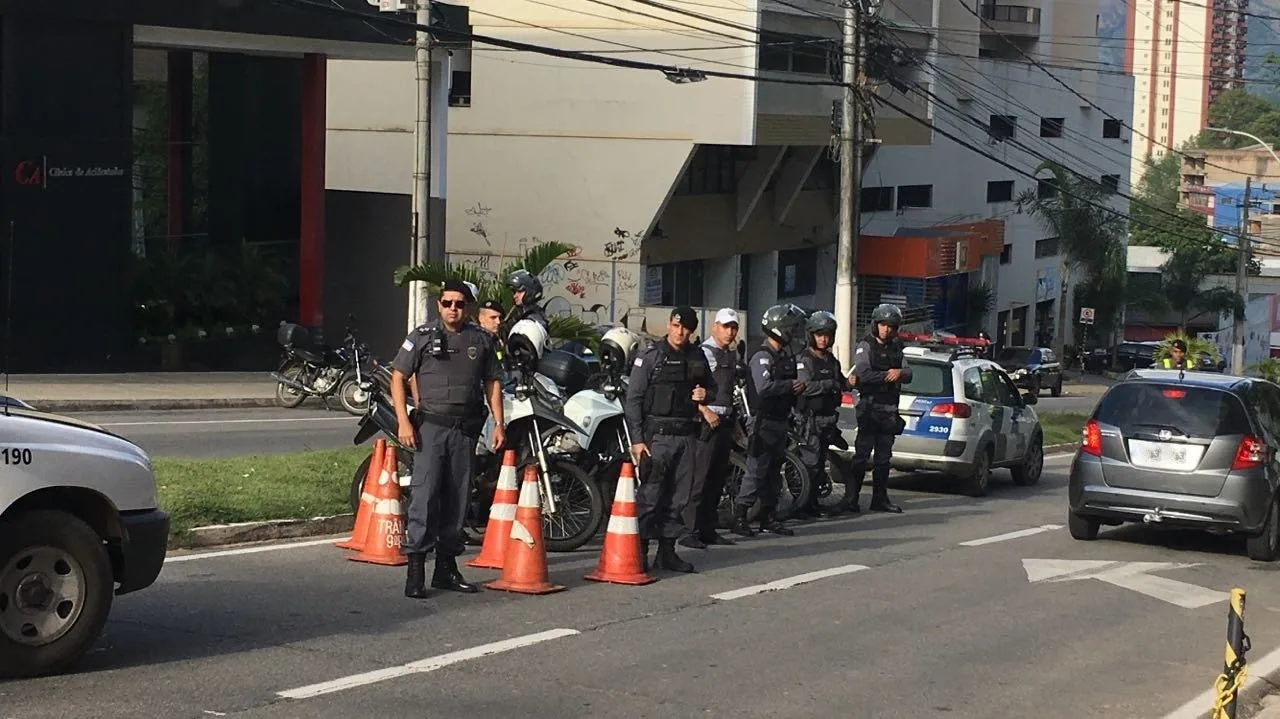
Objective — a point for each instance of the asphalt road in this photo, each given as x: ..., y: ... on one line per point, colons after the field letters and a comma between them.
x: 928, y: 613
x: 234, y: 432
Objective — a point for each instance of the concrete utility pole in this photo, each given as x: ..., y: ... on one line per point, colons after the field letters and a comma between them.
x: 846, y: 300
x: 1245, y: 246
x: 420, y: 221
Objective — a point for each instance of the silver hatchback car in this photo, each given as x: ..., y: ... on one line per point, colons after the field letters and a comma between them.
x: 1190, y: 449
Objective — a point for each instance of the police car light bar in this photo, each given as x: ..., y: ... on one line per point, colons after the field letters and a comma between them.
x: 943, y: 339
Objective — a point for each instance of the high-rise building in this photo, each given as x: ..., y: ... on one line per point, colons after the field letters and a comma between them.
x: 1182, y: 55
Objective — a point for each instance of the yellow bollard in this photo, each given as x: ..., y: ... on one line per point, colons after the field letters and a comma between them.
x: 1227, y: 686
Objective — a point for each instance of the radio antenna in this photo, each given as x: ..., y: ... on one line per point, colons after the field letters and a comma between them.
x: 8, y: 316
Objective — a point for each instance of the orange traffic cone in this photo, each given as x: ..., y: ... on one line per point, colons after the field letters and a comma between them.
x: 386, y: 520
x: 365, y: 510
x: 502, y: 513
x: 524, y: 569
x: 620, y: 560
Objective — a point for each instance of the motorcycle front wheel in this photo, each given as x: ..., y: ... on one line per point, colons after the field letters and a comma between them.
x: 354, y: 400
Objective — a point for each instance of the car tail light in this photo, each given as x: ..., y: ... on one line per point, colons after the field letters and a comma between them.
x: 955, y: 410
x: 1250, y: 454
x: 1091, y: 439
x: 1175, y: 393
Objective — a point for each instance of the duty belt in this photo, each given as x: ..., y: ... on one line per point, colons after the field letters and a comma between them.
x: 448, y: 421
x: 672, y: 426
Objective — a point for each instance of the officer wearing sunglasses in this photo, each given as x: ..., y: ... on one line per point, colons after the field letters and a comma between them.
x: 457, y: 373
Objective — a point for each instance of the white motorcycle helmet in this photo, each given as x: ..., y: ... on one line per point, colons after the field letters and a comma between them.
x: 475, y: 291
x: 526, y: 342
x: 618, y: 349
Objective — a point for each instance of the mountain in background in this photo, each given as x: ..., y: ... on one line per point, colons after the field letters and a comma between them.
x: 1264, y: 39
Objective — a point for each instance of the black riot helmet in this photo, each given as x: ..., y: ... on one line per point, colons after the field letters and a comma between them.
x: 527, y: 281
x: 820, y: 323
x: 886, y: 314
x: 781, y: 322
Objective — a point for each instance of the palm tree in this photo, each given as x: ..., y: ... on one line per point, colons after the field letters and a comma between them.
x: 561, y: 328
x: 1197, y: 347
x: 1089, y: 234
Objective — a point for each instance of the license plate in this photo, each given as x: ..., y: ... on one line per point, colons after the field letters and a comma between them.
x: 1164, y: 455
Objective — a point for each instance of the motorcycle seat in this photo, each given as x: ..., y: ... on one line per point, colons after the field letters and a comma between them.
x: 310, y: 356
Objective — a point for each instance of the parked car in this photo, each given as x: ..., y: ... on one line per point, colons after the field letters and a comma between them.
x: 1032, y: 368
x: 1184, y: 449
x: 78, y: 525
x: 963, y: 417
x: 1133, y: 355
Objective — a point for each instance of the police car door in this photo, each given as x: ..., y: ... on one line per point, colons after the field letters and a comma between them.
x: 1019, y: 423
x: 979, y: 405
x: 1000, y: 420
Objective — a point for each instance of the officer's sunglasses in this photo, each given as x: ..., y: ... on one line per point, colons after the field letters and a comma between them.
x: 458, y: 304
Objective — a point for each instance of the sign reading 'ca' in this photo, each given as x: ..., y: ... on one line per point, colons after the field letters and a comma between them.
x: 39, y: 173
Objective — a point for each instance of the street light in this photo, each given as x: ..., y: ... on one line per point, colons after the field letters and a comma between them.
x: 1245, y: 246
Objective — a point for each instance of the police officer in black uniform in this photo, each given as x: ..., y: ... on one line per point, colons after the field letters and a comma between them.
x: 771, y: 394
x: 880, y: 370
x: 457, y: 370
x: 526, y: 290
x: 668, y: 391
x: 817, y: 405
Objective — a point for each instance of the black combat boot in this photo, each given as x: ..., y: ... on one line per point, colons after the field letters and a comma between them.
x: 713, y: 537
x: 693, y: 541
x: 667, y: 558
x: 740, y: 525
x: 415, y: 583
x: 770, y: 523
x: 448, y: 577
x: 880, y: 494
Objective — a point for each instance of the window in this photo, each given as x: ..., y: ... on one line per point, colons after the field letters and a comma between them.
x: 806, y: 54
x: 973, y: 385
x: 1046, y: 188
x: 460, y: 89
x: 1047, y: 247
x: 875, y: 199
x: 1052, y: 126
x: 714, y: 170
x: 1006, y: 392
x: 1111, y: 129
x: 915, y: 196
x: 928, y: 380
x: 1000, y: 191
x: 1002, y: 127
x: 1198, y: 412
x: 1006, y: 254
x: 797, y: 272
x: 682, y: 283
x: 1110, y: 184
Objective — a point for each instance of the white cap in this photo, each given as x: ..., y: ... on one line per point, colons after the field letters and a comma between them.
x: 726, y: 316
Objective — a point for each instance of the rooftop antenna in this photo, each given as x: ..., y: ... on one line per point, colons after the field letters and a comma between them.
x: 8, y: 318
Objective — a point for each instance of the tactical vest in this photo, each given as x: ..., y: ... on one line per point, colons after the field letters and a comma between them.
x: 725, y: 374
x: 781, y: 368
x: 823, y: 368
x: 884, y: 357
x: 452, y: 384
x: 670, y: 394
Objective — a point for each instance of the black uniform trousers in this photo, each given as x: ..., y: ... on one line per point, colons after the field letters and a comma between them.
x: 441, y: 490
x: 666, y: 481
x: 766, y: 450
x: 702, y: 516
x: 818, y: 434
x: 877, y: 430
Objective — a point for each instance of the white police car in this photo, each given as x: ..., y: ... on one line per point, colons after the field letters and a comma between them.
x: 963, y: 417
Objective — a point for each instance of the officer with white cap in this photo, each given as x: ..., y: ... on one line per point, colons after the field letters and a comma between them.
x: 715, y: 441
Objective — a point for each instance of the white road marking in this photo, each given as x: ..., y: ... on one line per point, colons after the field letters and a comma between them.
x: 789, y: 582
x: 348, y: 418
x: 1203, y: 703
x: 1011, y: 535
x: 1128, y: 575
x: 918, y: 500
x: 248, y: 550
x: 425, y: 665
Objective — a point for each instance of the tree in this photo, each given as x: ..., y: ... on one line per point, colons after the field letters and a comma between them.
x: 1182, y: 276
x: 561, y: 328
x: 1154, y: 216
x: 1236, y: 109
x: 1089, y: 235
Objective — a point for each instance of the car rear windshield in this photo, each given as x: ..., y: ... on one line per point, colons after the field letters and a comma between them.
x: 1199, y: 412
x: 1015, y: 355
x: 928, y: 380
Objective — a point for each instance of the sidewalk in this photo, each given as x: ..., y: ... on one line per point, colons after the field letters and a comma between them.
x: 143, y: 391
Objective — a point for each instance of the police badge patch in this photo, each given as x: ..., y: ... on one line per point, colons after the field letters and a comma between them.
x: 472, y: 352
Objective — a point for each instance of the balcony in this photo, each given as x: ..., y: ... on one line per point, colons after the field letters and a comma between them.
x: 1015, y: 20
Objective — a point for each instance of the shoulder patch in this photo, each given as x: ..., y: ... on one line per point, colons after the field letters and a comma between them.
x: 407, y: 346
x: 638, y: 363
x: 764, y: 361
x: 422, y: 328
x: 799, y: 365
x: 861, y: 349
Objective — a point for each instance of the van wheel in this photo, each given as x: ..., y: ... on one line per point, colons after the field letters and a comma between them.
x: 1028, y: 473
x: 1082, y: 528
x: 56, y: 588
x: 976, y: 486
x: 1265, y: 545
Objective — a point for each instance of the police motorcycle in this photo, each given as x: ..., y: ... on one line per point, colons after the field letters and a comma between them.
x: 572, y: 506
x: 310, y: 370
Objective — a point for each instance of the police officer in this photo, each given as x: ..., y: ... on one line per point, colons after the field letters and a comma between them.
x: 1177, y: 358
x: 667, y: 393
x: 526, y: 290
x: 771, y: 394
x: 817, y: 405
x: 880, y: 370
x: 715, y: 439
x: 456, y: 372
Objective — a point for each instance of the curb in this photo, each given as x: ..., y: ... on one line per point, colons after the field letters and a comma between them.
x: 245, y: 532
x: 1060, y: 448
x: 129, y: 405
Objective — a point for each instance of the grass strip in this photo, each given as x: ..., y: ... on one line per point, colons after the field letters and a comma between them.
x: 1062, y: 427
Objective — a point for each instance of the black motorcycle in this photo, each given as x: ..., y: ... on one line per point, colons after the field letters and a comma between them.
x: 311, y: 370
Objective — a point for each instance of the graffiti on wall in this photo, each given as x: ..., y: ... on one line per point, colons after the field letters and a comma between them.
x: 477, y: 216
x: 625, y: 247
